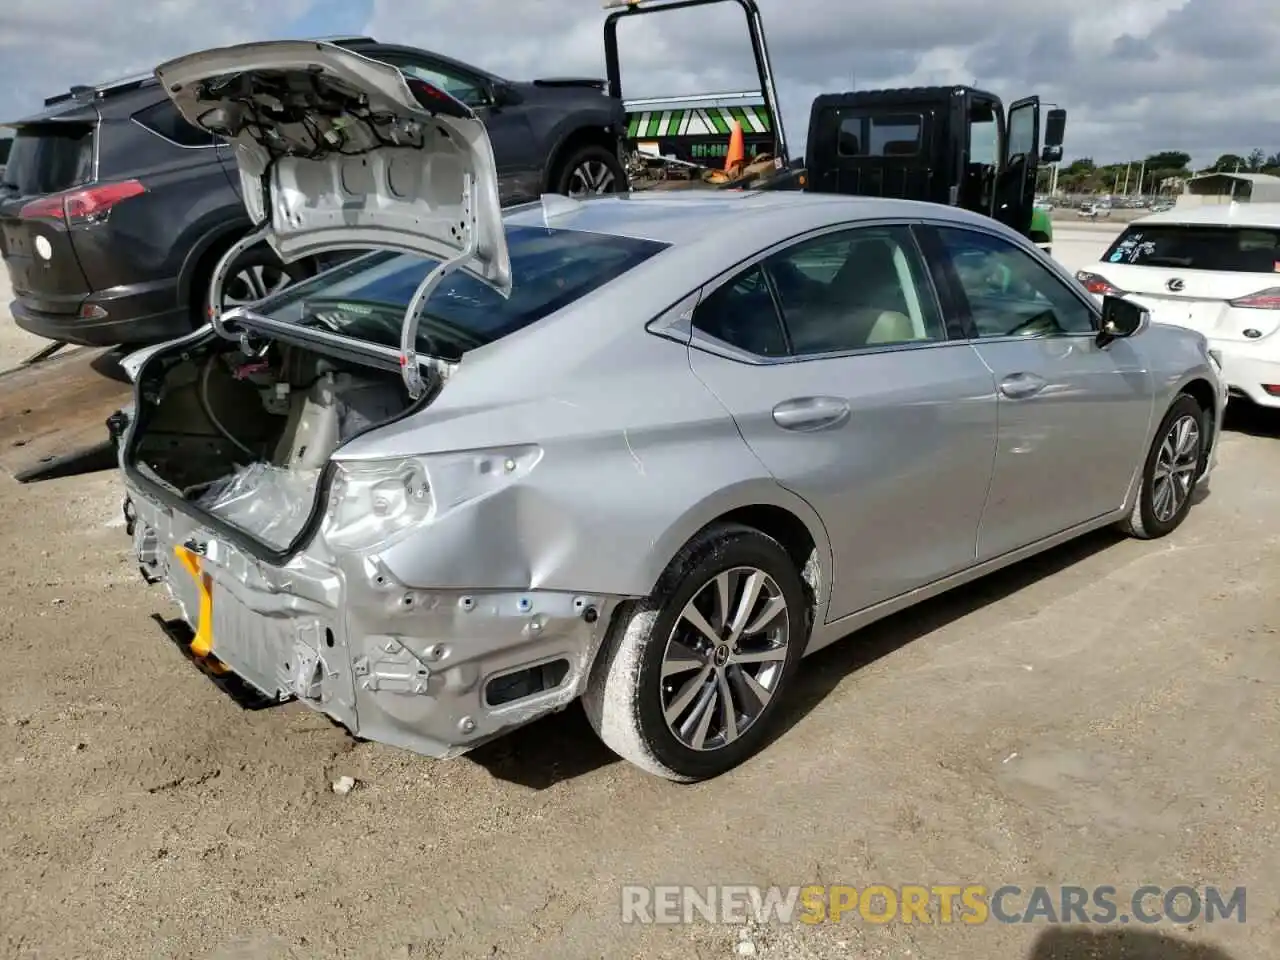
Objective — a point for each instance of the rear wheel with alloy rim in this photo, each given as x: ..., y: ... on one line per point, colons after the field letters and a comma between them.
x: 1172, y: 468
x: 256, y: 274
x: 591, y: 171
x: 688, y: 679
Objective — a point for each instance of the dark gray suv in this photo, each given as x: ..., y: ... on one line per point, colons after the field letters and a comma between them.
x: 114, y: 210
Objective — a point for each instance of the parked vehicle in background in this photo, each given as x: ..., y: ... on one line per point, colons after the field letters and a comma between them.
x: 953, y: 145
x: 115, y: 210
x: 1215, y: 270
x: 434, y: 493
x: 1095, y: 211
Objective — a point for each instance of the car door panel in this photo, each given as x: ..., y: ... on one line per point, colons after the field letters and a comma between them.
x: 1067, y: 449
x: 1016, y: 182
x: 1074, y: 414
x: 897, y: 465
x: 891, y: 443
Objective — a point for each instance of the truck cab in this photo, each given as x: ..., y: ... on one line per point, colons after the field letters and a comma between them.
x: 951, y: 145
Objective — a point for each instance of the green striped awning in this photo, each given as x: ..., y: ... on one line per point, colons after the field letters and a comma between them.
x: 706, y: 121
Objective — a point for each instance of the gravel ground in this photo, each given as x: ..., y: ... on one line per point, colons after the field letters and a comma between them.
x: 1105, y: 714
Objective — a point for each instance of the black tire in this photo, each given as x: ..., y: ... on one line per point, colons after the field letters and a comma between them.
x: 624, y: 698
x: 583, y: 173
x: 1150, y: 518
x: 257, y: 261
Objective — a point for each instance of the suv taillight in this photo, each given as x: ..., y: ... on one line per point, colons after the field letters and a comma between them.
x: 1268, y: 299
x: 1096, y: 283
x: 85, y: 204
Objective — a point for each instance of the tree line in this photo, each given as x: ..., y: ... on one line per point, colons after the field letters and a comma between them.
x: 1160, y: 172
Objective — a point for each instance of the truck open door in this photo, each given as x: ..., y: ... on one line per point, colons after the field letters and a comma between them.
x: 1015, y: 193
x: 709, y: 115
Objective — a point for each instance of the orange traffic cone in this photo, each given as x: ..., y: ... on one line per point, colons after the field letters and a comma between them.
x: 737, y: 154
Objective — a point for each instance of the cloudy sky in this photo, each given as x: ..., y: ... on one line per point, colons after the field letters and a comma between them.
x: 1136, y: 76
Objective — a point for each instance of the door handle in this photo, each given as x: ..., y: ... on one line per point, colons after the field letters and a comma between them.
x: 1020, y: 386
x: 811, y: 413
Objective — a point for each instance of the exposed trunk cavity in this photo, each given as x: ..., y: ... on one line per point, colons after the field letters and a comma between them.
x: 245, y: 439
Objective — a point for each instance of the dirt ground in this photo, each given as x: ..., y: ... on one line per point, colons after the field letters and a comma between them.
x: 1105, y: 714
x: 15, y: 345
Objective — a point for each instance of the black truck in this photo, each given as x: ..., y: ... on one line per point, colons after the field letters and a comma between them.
x: 953, y: 145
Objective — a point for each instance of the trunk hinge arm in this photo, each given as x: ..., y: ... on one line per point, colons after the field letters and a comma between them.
x: 409, y: 369
x: 220, y: 277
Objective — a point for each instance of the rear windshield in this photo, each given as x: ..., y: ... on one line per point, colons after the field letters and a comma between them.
x: 366, y: 298
x: 1237, y: 249
x: 50, y: 157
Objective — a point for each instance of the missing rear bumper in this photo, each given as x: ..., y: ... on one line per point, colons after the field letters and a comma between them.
x: 436, y: 672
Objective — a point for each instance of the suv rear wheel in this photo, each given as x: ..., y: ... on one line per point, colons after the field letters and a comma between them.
x: 255, y: 274
x: 590, y: 171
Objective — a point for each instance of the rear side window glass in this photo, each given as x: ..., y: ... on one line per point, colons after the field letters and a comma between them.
x: 880, y: 135
x: 1234, y: 249
x: 49, y: 158
x: 742, y: 313
x: 164, y: 119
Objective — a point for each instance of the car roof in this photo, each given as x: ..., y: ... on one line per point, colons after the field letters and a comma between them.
x: 1266, y: 215
x: 746, y: 218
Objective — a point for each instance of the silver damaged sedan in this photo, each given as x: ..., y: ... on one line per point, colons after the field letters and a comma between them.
x: 647, y: 451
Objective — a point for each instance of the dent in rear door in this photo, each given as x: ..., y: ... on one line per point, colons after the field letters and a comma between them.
x: 892, y: 443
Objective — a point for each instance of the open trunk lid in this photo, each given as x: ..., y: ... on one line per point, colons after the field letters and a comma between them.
x: 338, y: 151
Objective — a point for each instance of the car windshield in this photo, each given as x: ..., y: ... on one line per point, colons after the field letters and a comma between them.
x: 1234, y: 249
x: 366, y: 298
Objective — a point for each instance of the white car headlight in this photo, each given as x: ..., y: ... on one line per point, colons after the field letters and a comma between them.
x: 371, y: 501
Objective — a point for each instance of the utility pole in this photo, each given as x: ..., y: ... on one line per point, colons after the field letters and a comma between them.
x: 1142, y: 175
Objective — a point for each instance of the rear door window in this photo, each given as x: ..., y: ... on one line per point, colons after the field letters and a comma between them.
x: 49, y: 158
x: 1194, y: 247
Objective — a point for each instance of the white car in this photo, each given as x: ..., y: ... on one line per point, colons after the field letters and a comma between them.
x: 1215, y: 270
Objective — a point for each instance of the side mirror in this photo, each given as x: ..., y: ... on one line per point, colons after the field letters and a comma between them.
x: 1055, y: 127
x: 1051, y: 154
x: 1121, y: 318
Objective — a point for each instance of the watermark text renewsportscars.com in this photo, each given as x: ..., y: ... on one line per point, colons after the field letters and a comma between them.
x: 969, y: 904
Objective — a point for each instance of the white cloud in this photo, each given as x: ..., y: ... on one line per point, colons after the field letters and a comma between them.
x: 1136, y: 77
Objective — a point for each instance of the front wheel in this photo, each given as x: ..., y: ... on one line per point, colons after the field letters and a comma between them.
x: 689, y: 679
x: 591, y: 171
x: 1173, y: 467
